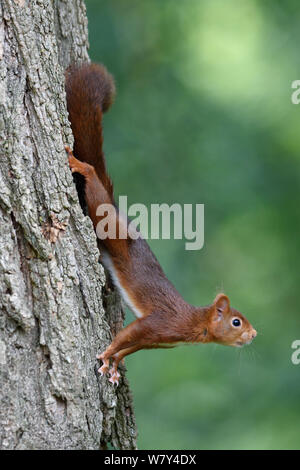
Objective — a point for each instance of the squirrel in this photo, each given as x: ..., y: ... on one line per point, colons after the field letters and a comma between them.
x: 164, y: 318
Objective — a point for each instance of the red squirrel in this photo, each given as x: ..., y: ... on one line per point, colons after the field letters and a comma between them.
x: 164, y: 318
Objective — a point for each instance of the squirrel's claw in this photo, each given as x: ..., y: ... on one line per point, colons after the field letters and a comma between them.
x: 75, y: 165
x: 103, y: 369
x: 68, y: 150
x: 105, y: 366
x: 113, y: 371
x: 114, y: 379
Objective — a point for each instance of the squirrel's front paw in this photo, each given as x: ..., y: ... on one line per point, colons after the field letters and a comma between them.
x: 103, y: 369
x: 114, y: 378
x: 105, y: 366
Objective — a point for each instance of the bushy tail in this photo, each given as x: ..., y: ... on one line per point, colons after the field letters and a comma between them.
x: 90, y: 91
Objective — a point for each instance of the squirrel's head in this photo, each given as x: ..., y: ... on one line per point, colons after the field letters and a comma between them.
x: 228, y: 326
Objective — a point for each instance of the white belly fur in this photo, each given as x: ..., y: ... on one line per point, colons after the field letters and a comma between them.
x: 107, y: 262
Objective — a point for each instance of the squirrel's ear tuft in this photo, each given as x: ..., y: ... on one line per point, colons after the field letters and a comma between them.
x: 222, y: 303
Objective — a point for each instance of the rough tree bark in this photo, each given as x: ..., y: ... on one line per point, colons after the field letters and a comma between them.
x: 52, y: 287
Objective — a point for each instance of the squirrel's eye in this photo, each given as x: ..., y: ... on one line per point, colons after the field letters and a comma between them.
x: 236, y: 322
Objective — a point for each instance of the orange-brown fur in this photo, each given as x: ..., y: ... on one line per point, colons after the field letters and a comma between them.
x: 166, y: 319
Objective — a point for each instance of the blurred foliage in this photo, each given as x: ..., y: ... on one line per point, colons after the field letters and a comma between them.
x: 204, y: 115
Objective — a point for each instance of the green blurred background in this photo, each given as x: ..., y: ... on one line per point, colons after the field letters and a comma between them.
x: 204, y: 115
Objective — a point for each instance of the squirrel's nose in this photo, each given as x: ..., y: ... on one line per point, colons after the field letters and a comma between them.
x: 254, y: 333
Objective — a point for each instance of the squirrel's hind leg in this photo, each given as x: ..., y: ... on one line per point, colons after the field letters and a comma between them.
x: 77, y: 166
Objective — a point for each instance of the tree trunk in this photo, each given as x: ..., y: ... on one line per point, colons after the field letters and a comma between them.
x: 52, y: 287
